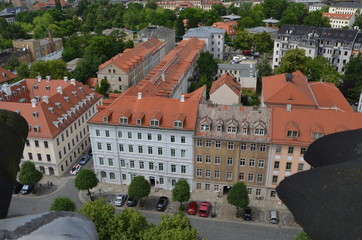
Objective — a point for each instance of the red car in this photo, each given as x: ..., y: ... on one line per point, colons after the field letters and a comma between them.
x: 192, y: 208
x: 204, y: 209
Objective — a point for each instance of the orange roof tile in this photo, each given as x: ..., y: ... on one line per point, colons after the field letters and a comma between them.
x: 6, y: 75
x: 131, y: 57
x: 229, y: 27
x: 338, y: 16
x: 308, y: 121
x: 229, y: 81
x: 278, y: 91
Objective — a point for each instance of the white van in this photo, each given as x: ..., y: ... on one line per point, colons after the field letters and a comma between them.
x: 273, y: 216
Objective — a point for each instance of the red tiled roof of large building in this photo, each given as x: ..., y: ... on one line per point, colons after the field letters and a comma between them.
x: 184, y: 5
x: 229, y: 27
x: 56, y: 104
x: 338, y: 16
x: 6, y: 75
x: 229, y: 81
x: 165, y: 77
x: 166, y: 110
x: 290, y: 88
x: 132, y: 56
x: 308, y: 121
x: 329, y: 96
x: 49, y: 4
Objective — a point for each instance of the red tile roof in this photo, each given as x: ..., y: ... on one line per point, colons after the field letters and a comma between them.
x: 307, y: 121
x: 229, y: 27
x: 53, y: 107
x: 166, y: 110
x: 49, y: 4
x: 131, y: 57
x: 338, y: 16
x: 229, y: 81
x: 6, y: 75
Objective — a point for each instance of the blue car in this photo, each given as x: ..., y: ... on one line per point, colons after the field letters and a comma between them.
x: 84, y: 160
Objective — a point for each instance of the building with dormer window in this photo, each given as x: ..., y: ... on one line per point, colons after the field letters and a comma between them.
x: 57, y: 112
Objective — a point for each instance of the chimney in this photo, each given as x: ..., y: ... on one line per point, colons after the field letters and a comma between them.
x: 289, y: 77
x: 182, y: 98
x: 60, y: 90
x: 139, y: 95
x: 289, y: 107
x: 163, y: 77
x: 47, y: 78
x: 39, y: 78
x: 65, y: 79
x: 45, y: 99
x: 51, y: 43
x: 33, y: 102
x: 7, y: 89
x: 72, y: 81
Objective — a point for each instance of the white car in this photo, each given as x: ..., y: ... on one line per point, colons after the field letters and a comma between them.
x: 76, y: 168
x: 120, y: 199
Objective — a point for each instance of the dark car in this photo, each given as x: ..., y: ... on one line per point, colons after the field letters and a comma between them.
x: 247, y: 213
x: 132, y: 202
x: 84, y: 160
x: 27, y: 189
x: 17, y: 187
x: 192, y: 209
x: 162, y: 204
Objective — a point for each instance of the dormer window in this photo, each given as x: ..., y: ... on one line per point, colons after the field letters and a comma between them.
x: 123, y: 120
x: 35, y: 114
x: 105, y: 119
x: 35, y: 87
x: 292, y: 134
x: 36, y: 128
x: 154, y: 123
x: 219, y: 128
x: 58, y: 104
x: 205, y: 127
x: 245, y: 130
x: 177, y: 124
x: 139, y: 121
x: 259, y: 131
x: 316, y: 135
x: 231, y: 129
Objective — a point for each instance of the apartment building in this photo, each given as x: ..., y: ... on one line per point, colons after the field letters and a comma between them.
x: 57, y: 112
x: 128, y: 68
x: 345, y: 7
x: 6, y: 76
x: 48, y: 4
x: 336, y: 45
x: 163, y: 34
x: 213, y: 38
x: 145, y: 135
x: 229, y: 27
x: 225, y: 90
x: 317, y: 6
x: 338, y: 20
x: 244, y: 73
x: 231, y: 144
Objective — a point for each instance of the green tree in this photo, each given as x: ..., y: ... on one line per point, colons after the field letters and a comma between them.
x: 316, y: 18
x: 292, y: 61
x: 23, y: 70
x: 172, y: 227
x: 12, y: 63
x: 263, y: 42
x: 274, y: 8
x: 263, y: 67
x: 243, y: 40
x: 103, y: 87
x: 102, y: 215
x: 238, y: 196
x: 56, y: 68
x: 181, y: 191
x: 352, y: 79
x: 41, y: 24
x: 139, y: 188
x: 180, y: 28
x: 207, y: 65
x: 249, y: 97
x: 302, y: 236
x: 28, y: 174
x: 62, y: 204
x: 320, y: 69
x: 220, y: 9
x: 85, y: 180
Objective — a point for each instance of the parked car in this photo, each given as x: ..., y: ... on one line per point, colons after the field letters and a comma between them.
x: 90, y: 152
x: 204, y: 209
x: 273, y: 216
x: 162, y: 204
x: 132, y: 202
x: 27, y: 189
x: 192, y: 209
x: 75, y: 169
x: 247, y: 213
x: 84, y: 160
x: 120, y: 199
x: 17, y: 187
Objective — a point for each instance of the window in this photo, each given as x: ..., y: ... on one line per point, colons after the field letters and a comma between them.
x: 107, y: 133
x: 219, y: 128
x: 198, y: 185
x: 46, y: 144
x: 288, y: 166
x: 183, y: 153
x: 207, y: 186
x: 177, y: 124
x: 149, y: 136
x: 130, y: 148
x: 199, y: 158
x: 49, y: 158
x: 198, y: 172
x: 316, y: 135
x: 160, y: 167
x: 131, y: 163
x: 138, y: 122
x: 121, y: 148
x: 205, y: 127
x: 242, y: 162
x: 261, y: 163
x: 173, y: 152
x: 173, y: 168
x: 229, y: 161
x: 101, y: 161
x: 98, y: 133
x: 154, y: 122
x: 103, y: 174
x: 161, y: 180
x: 183, y: 169
x: 251, y: 177
x: 208, y: 159
x: 112, y: 175
x: 36, y: 143
x: 276, y: 164
x: 241, y: 176
x: 150, y: 150
x: 119, y: 134
x: 303, y: 150
x: 253, y: 147
x: 123, y: 120
x: 109, y: 147
x: 262, y: 148
x: 159, y: 137
x: 99, y: 146
x: 290, y: 150
x: 28, y: 143
x: 259, y: 131
x: 273, y: 194
x: 259, y: 178
x: 216, y: 174
x: 31, y: 155
x: 251, y: 162
x: 140, y: 149
x: 228, y: 175
x: 243, y: 146
x: 217, y: 144
x: 216, y: 187
x: 150, y: 166
x: 300, y: 167
x: 292, y: 134
x: 122, y: 162
x: 245, y: 130
x: 199, y: 143
x: 207, y: 173
x: 231, y: 129
x: 208, y: 143
x: 217, y: 159
x: 258, y: 192
x: 159, y: 151
x: 275, y: 179
x: 110, y: 162
x: 183, y: 139
x: 139, y: 135
x: 230, y: 146
x: 129, y: 135
x: 278, y: 149
x: 39, y: 156
x: 173, y: 139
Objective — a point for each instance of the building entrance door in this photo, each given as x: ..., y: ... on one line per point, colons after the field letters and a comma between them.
x: 152, y: 181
